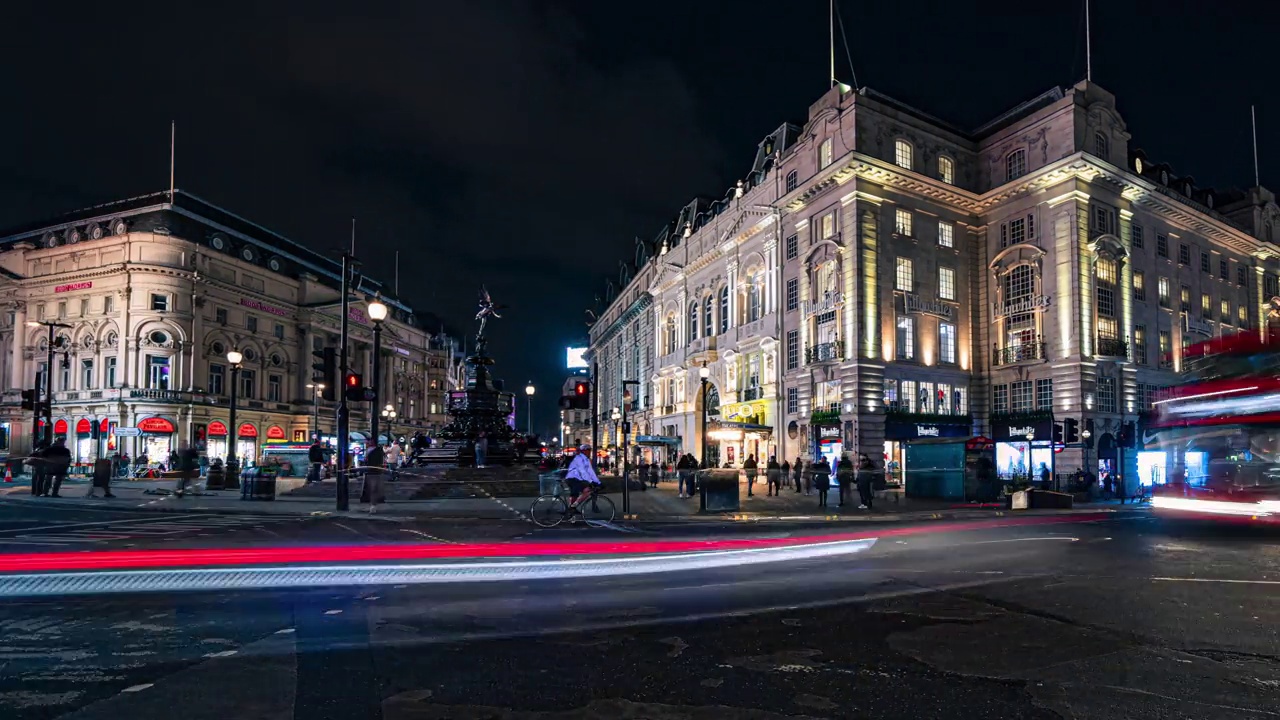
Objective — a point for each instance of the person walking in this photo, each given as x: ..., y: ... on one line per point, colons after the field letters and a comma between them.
x: 39, y: 470
x: 188, y: 464
x: 866, y: 478
x: 58, y: 458
x: 482, y: 449
x: 845, y: 477
x: 315, y: 456
x: 797, y: 469
x: 749, y: 467
x: 822, y: 480
x: 773, y: 475
x: 374, y: 460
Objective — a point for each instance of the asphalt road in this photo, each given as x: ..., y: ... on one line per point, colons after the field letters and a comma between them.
x: 1123, y: 618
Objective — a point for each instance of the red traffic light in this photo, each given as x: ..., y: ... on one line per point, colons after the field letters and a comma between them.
x: 352, y: 380
x: 580, y: 388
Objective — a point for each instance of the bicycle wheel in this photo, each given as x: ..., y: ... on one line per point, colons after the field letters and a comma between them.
x: 599, y: 508
x: 548, y: 511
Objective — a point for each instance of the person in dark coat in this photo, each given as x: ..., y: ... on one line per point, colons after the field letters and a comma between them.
x: 58, y: 459
x: 822, y: 480
x: 866, y: 478
x: 188, y: 465
x: 39, y: 471
x: 773, y: 473
x: 845, y: 476
x: 750, y: 468
x: 797, y: 470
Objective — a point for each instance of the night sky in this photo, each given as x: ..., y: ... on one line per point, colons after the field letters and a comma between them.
x: 524, y: 145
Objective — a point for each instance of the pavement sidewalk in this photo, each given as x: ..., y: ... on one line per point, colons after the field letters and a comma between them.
x: 656, y: 505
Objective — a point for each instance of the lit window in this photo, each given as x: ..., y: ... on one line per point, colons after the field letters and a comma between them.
x: 947, y: 343
x: 946, y: 170
x: 828, y: 226
x: 902, y: 154
x: 902, y: 222
x: 824, y: 154
x: 1015, y: 165
x: 946, y: 234
x: 904, y: 274
x: 1206, y: 305
x: 1139, y: 285
x: 1102, y: 146
x: 947, y: 283
x: 906, y: 337
x: 1162, y: 290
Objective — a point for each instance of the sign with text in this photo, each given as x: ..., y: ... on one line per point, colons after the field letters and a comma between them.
x: 259, y: 305
x: 1031, y: 304
x: 1022, y: 430
x: 906, y: 430
x: 913, y: 303
x: 153, y: 425
x: 128, y: 432
x: 69, y: 287
x: 576, y: 357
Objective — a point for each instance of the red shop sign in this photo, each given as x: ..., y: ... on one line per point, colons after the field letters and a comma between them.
x: 275, y: 432
x: 155, y: 425
x: 84, y: 427
x: 104, y: 426
x: 217, y: 427
x: 248, y: 430
x: 60, y: 427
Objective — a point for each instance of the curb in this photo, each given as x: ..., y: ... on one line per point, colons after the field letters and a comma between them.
x: 895, y: 517
x: 174, y: 508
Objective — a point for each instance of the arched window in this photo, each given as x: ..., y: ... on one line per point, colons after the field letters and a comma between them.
x: 946, y: 170
x: 1015, y: 165
x: 724, y: 309
x: 707, y: 309
x: 1020, y: 328
x: 902, y: 152
x: 669, y: 335
x: 1101, y: 145
x: 693, y: 321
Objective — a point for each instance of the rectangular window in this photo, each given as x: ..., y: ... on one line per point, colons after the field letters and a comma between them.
x: 1224, y: 311
x: 1162, y: 246
x: 1044, y: 394
x: 793, y: 400
x: 220, y: 316
x: 793, y: 294
x: 1162, y: 289
x: 1022, y: 396
x: 1269, y: 285
x: 1222, y: 270
x: 157, y: 372
x: 828, y: 226
x: 1184, y: 254
x: 1140, y: 344
x: 947, y: 283
x: 793, y: 247
x: 108, y: 304
x: 947, y: 343
x: 217, y: 379
x: 902, y: 222
x: 86, y: 375
x: 109, y: 373
x: 1106, y: 394
x: 946, y: 170
x: 274, y: 383
x: 62, y: 309
x: 1206, y: 305
x: 1204, y: 263
x: 248, y: 379
x: 902, y: 154
x: 279, y: 331
x: 904, y: 274
x: 251, y: 323
x: 1184, y: 299
x: 1139, y: 285
x: 1017, y: 231
x: 824, y: 154
x: 793, y: 181
x: 946, y: 234
x: 84, y: 307
x: 1135, y: 236
x: 906, y: 337
x: 793, y: 349
x: 909, y: 402
x: 1000, y: 399
x: 1242, y: 276
x: 159, y: 302
x: 40, y: 311
x: 1242, y: 315
x: 1166, y: 348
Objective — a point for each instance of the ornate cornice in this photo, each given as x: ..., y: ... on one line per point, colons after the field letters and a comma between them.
x: 640, y: 305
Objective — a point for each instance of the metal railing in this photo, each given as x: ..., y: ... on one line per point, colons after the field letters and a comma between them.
x: 824, y: 352
x: 752, y: 393
x: 1033, y: 350
x: 1112, y: 347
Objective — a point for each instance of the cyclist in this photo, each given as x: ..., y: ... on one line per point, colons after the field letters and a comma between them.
x: 581, y: 475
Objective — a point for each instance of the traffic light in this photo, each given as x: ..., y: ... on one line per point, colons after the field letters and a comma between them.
x: 29, y: 399
x: 1072, y: 428
x: 1057, y: 433
x: 353, y: 386
x: 326, y: 372
x: 1127, y: 437
x: 581, y: 395
x: 1088, y: 434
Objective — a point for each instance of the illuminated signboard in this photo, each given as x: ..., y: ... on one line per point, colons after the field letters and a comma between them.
x: 576, y: 358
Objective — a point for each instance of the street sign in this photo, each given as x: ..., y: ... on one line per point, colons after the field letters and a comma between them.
x: 1059, y: 447
x: 128, y: 432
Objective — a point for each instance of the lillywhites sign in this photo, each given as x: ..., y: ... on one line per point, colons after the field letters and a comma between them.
x: 69, y: 287
x: 828, y: 432
x: 1035, y: 303
x: 1021, y: 431
x: 1198, y: 326
x: 258, y: 305
x: 830, y: 301
x: 927, y: 431
x: 913, y: 303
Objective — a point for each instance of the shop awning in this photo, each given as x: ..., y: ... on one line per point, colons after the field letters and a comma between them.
x: 657, y: 440
x: 744, y: 427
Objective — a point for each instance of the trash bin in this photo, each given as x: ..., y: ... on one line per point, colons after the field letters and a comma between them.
x: 258, y: 484
x: 719, y: 490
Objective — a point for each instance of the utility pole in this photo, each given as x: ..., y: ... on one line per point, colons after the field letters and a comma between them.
x: 595, y: 411
x: 343, y: 419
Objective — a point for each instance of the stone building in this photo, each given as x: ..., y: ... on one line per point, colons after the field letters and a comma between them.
x: 882, y: 280
x: 154, y: 291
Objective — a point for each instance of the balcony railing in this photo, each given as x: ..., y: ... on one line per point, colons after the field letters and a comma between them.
x: 824, y: 352
x: 1112, y: 347
x: 751, y: 393
x: 1033, y: 350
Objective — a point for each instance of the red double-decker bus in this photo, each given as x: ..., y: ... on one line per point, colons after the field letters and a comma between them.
x: 1220, y: 431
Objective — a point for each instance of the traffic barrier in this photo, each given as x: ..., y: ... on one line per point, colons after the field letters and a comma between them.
x: 8, y: 474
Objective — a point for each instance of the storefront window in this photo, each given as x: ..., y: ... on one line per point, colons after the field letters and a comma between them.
x: 909, y: 401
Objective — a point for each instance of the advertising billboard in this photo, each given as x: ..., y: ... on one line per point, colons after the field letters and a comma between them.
x: 576, y: 357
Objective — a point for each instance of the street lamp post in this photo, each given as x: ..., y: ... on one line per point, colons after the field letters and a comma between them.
x: 703, y: 374
x: 377, y: 313
x: 389, y: 414
x: 626, y: 431
x: 234, y: 358
x: 528, y: 391
x: 616, y: 416
x: 1085, y: 435
x: 48, y: 375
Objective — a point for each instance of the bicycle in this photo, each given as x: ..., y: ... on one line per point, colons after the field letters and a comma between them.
x: 549, y: 511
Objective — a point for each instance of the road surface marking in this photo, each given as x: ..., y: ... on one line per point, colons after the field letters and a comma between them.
x: 332, y: 612
x: 101, y: 522
x: 137, y: 688
x: 222, y: 654
x: 285, y: 631
x: 1021, y: 540
x: 1225, y: 581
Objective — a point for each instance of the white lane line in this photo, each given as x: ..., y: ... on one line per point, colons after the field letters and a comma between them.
x: 286, y: 631
x: 1022, y: 540
x: 1224, y: 581
x: 103, y: 522
x: 332, y: 612
x: 137, y: 688
x: 222, y: 654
